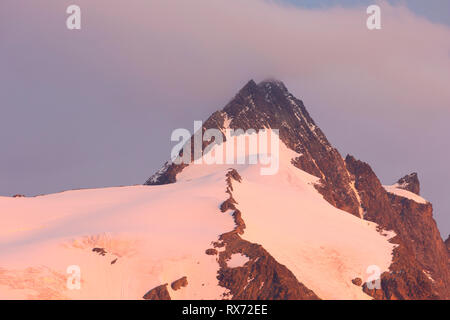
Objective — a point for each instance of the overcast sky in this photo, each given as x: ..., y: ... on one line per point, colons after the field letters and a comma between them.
x: 96, y: 107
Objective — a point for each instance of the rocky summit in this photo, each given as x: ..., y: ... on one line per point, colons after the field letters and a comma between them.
x: 420, y: 263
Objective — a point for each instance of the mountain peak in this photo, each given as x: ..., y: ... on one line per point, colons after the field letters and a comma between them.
x: 249, y: 88
x: 265, y: 105
x: 271, y: 83
x: 410, y: 182
x: 266, y: 83
x: 270, y: 90
x: 269, y: 105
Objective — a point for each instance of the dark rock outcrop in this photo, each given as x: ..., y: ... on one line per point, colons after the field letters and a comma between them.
x: 262, y: 277
x: 100, y: 251
x: 410, y: 182
x: 211, y: 252
x: 158, y: 293
x: 178, y: 284
x: 419, y: 269
x: 357, y: 282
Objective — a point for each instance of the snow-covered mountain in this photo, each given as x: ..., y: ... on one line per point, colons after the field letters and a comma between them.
x: 320, y: 228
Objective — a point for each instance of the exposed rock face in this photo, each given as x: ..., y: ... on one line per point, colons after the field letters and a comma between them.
x: 447, y: 243
x: 357, y: 282
x: 410, y: 182
x: 158, y: 293
x: 429, y: 249
x: 100, y: 251
x: 178, y: 284
x: 211, y: 252
x: 262, y: 277
x: 420, y: 268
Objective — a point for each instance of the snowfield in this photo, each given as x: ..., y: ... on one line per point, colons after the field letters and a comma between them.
x: 157, y: 235
x: 154, y: 235
x: 395, y: 189
x: 323, y: 246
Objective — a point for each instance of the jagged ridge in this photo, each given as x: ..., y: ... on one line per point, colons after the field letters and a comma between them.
x: 270, y: 105
x: 420, y: 268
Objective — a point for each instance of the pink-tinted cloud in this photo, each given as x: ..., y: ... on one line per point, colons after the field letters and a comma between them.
x: 200, y: 45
